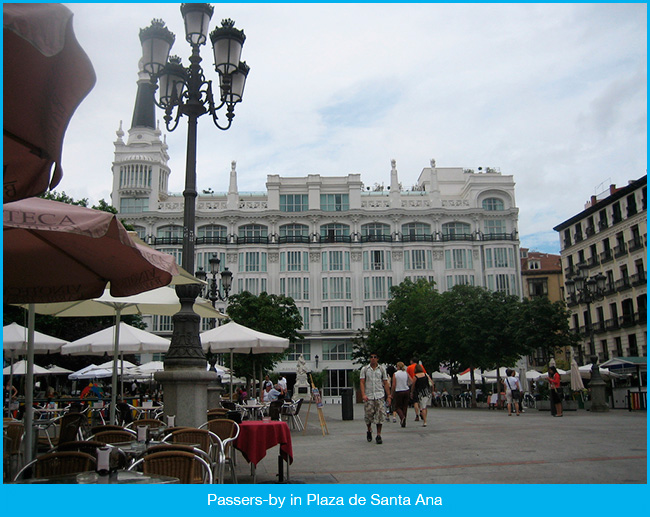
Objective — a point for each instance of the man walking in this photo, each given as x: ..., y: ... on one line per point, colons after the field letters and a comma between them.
x: 374, y: 384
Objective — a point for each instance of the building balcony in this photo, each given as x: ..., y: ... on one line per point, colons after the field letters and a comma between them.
x: 616, y: 218
x: 253, y: 239
x: 376, y: 238
x: 161, y: 241
x: 638, y: 279
x: 418, y: 238
x: 612, y: 324
x: 610, y: 288
x: 620, y: 250
x: 293, y: 239
x: 623, y: 284
x: 593, y: 261
x: 334, y: 238
x: 212, y: 239
x: 590, y: 230
x: 606, y: 256
x: 567, y: 243
x: 602, y: 225
x: 599, y: 327
x: 635, y: 244
x: 627, y: 320
x: 578, y: 237
x: 465, y: 237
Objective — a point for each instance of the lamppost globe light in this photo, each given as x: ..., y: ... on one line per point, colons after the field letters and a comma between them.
x: 227, y: 43
x: 214, y: 264
x: 157, y: 41
x: 197, y: 21
x: 172, y: 81
x: 601, y: 281
x: 226, y: 280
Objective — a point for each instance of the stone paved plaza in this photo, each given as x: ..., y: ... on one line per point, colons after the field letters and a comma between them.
x: 467, y: 446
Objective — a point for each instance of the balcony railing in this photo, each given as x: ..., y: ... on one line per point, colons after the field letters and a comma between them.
x: 418, y: 238
x: 593, y: 261
x: 212, y: 239
x: 589, y: 231
x: 376, y: 238
x: 500, y: 236
x: 623, y: 284
x: 253, y: 239
x: 638, y: 279
x: 167, y: 240
x: 606, y: 256
x: 627, y: 320
x: 620, y: 250
x: 460, y: 237
x: 635, y: 244
x: 610, y: 288
x: 288, y: 239
x: 602, y: 225
x: 612, y: 324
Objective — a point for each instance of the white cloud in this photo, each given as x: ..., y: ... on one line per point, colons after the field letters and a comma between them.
x: 553, y: 94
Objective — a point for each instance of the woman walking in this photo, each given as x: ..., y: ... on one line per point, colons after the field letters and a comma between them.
x: 421, y: 391
x: 401, y: 392
x: 554, y: 381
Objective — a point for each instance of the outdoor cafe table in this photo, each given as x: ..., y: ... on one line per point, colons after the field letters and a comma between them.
x: 121, y: 477
x: 256, y: 437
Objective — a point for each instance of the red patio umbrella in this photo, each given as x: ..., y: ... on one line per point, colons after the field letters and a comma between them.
x: 46, y: 76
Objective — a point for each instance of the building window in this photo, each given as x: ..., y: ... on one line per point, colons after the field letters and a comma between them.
x: 499, y: 257
x: 334, y: 202
x: 375, y: 229
x: 336, y: 380
x: 203, y: 260
x: 376, y: 260
x: 372, y: 313
x: 537, y: 287
x: 305, y: 318
x: 534, y: 264
x: 134, y: 205
x: 453, y: 280
x: 418, y: 259
x: 336, y: 351
x: 337, y: 288
x: 502, y: 283
x: 335, y: 260
x: 296, y: 288
x: 141, y: 231
x: 135, y: 175
x: 617, y: 217
x: 162, y: 324
x: 458, y: 259
x: 252, y: 261
x: 255, y: 286
x: 294, y: 202
x: 495, y: 227
x: 377, y: 287
x: 253, y: 230
x: 456, y: 229
x: 294, y: 230
x: 414, y: 230
x: 337, y: 317
x: 335, y: 232
x: 177, y: 253
x: 294, y: 261
x: 492, y: 204
x: 212, y: 230
x: 295, y: 349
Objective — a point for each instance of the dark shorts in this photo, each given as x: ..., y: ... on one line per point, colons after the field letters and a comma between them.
x: 556, y: 397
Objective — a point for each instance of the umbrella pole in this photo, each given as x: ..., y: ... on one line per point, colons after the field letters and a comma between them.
x: 231, y: 373
x: 122, y: 378
x: 29, y: 386
x: 11, y: 383
x: 116, y: 347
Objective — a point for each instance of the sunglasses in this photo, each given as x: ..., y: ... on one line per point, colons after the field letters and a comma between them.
x: 374, y: 357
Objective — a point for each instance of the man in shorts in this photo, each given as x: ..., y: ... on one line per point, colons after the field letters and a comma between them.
x: 374, y: 384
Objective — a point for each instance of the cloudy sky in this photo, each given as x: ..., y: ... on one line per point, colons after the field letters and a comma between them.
x: 552, y: 94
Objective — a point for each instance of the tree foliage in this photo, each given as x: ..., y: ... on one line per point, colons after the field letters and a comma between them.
x: 269, y: 313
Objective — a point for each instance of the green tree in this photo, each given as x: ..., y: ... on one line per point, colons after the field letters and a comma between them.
x: 62, y: 197
x: 407, y: 327
x: 269, y: 313
x: 545, y: 325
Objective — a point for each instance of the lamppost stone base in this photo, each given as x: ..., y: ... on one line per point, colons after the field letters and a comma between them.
x: 186, y: 394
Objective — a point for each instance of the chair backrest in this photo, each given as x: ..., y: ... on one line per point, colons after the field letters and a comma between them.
x: 57, y: 464
x: 298, y: 406
x: 228, y: 405
x: 178, y: 464
x: 192, y: 435
x: 217, y: 413
x: 224, y: 428
x: 107, y: 427
x: 109, y: 437
x: 70, y: 423
x: 15, y: 431
x: 274, y: 409
x: 153, y: 423
x: 118, y: 457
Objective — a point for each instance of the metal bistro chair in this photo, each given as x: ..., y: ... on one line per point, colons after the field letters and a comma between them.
x: 118, y: 457
x: 152, y: 423
x: 218, y: 412
x: 57, y: 464
x: 199, y: 471
x: 291, y: 410
x: 178, y: 464
x: 228, y: 431
x: 12, y: 450
x: 206, y: 440
x: 68, y: 430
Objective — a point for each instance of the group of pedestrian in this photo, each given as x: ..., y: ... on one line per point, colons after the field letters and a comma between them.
x: 383, y: 394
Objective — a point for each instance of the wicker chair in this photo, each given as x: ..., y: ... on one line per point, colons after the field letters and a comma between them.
x: 110, y: 437
x: 105, y: 427
x: 57, y: 464
x: 228, y: 431
x: 206, y: 440
x: 12, y: 451
x: 178, y: 464
x: 198, y: 468
x: 68, y: 430
x: 219, y: 412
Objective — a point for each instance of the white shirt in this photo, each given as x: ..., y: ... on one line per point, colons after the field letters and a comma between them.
x: 283, y: 383
x: 510, y: 385
x: 374, y: 387
x: 401, y: 380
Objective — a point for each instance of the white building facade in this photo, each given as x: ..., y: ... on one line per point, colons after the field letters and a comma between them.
x: 332, y: 244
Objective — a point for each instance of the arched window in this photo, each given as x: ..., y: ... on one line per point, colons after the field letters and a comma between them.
x: 373, y: 229
x: 294, y: 230
x: 413, y: 229
x: 141, y: 231
x: 492, y: 204
x: 456, y: 229
x: 253, y: 230
x: 212, y: 230
x: 170, y: 232
x: 335, y: 232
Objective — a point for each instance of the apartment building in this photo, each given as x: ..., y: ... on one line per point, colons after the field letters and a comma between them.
x: 609, y: 237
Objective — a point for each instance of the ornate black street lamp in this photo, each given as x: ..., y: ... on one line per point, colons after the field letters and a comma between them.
x: 214, y: 293
x: 583, y: 289
x: 184, y: 91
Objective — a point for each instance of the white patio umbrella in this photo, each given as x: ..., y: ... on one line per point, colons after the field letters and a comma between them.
x: 20, y: 368
x: 491, y: 375
x: 465, y: 378
x: 439, y: 376
x: 161, y: 301
x: 533, y: 375
x: 57, y: 370
x: 576, y: 379
x: 112, y: 341
x: 15, y: 340
x: 90, y: 372
x: 235, y: 338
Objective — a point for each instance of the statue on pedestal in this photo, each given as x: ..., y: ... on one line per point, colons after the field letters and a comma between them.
x: 302, y: 383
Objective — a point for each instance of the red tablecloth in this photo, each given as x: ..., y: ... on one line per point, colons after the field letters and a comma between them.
x: 256, y: 437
